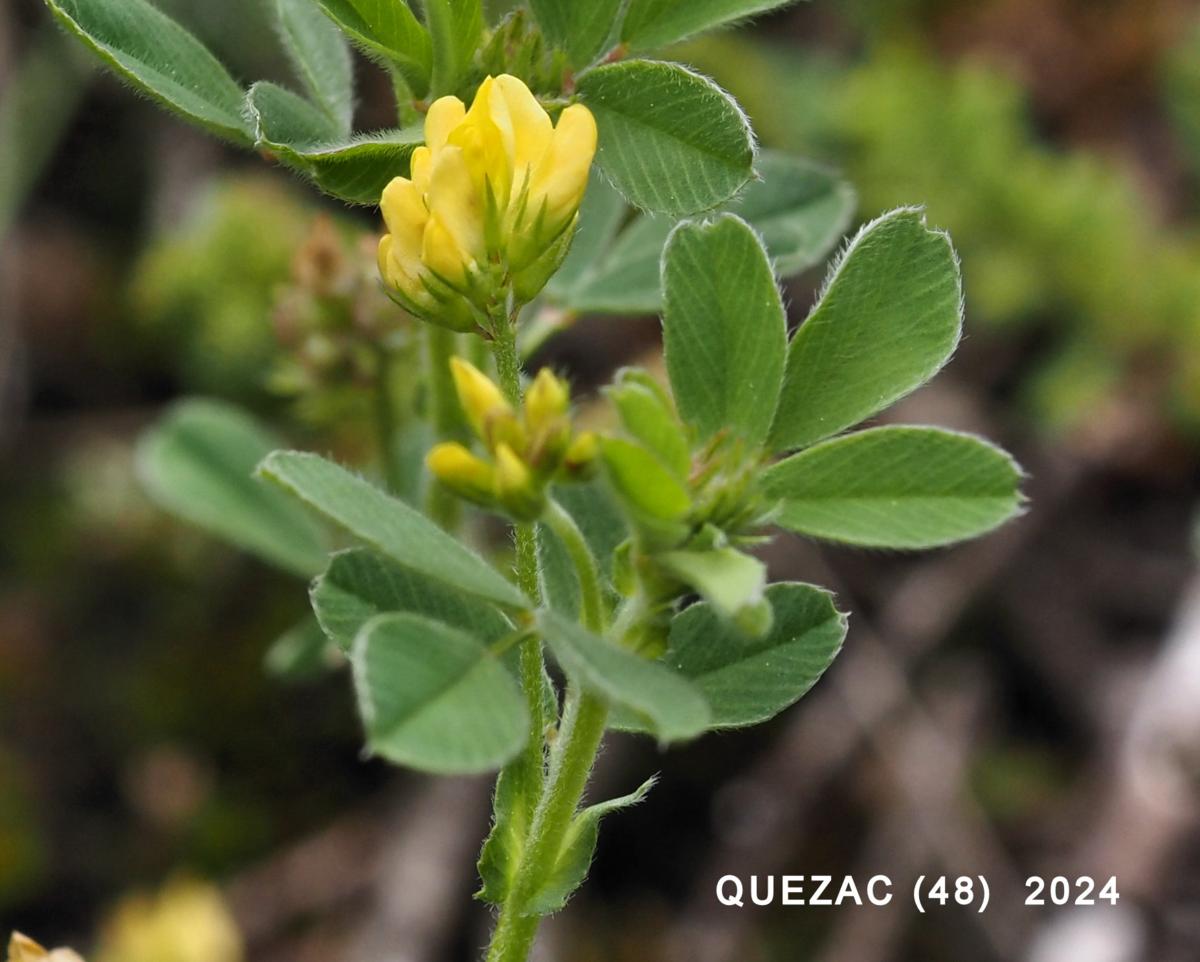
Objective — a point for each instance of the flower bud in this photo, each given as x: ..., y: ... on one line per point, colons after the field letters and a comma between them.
x: 482, y: 402
x: 516, y: 490
x: 580, y: 459
x: 546, y: 400
x: 462, y: 472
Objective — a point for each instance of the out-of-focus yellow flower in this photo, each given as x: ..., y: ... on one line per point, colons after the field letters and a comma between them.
x: 21, y: 948
x: 528, y: 450
x: 186, y: 922
x: 492, y: 201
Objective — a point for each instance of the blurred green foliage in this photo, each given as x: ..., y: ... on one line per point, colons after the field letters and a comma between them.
x: 204, y: 291
x: 1181, y: 84
x: 1069, y: 241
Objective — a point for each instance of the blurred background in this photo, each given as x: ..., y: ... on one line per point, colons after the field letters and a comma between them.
x: 1026, y: 705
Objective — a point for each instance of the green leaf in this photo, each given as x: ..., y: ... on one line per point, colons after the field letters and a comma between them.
x: 283, y: 119
x: 456, y: 27
x: 434, y: 698
x: 600, y: 216
x: 749, y: 681
x: 500, y: 858
x: 198, y: 463
x: 724, y: 329
x: 889, y: 317
x: 896, y: 487
x: 303, y: 138
x: 665, y: 702
x: 388, y: 31
x: 656, y: 23
x: 657, y: 501
x: 671, y: 140
x: 603, y: 528
x: 301, y: 652
x: 160, y: 58
x: 798, y: 208
x: 360, y: 584
x: 390, y: 525
x: 731, y: 581
x: 556, y: 575
x: 627, y: 278
x: 648, y: 416
x: 41, y: 95
x: 578, y: 849
x: 320, y: 57
x: 581, y: 29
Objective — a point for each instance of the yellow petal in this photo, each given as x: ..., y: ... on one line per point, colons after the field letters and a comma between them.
x: 581, y: 455
x: 511, y: 472
x: 419, y: 165
x: 486, y: 138
x: 444, y: 115
x: 442, y: 255
x: 405, y: 214
x: 561, y: 177
x: 461, y: 471
x: 456, y: 213
x: 482, y: 401
x: 546, y: 400
x: 383, y: 255
x: 531, y: 126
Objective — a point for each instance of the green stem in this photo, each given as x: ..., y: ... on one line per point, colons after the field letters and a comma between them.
x: 440, y: 504
x: 591, y: 596
x: 583, y: 720
x: 532, y: 666
x: 570, y: 765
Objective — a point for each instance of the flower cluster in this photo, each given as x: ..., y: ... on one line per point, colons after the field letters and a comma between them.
x: 492, y: 203
x: 527, y: 450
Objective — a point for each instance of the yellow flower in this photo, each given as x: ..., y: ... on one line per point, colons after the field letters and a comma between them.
x: 21, y: 948
x: 493, y: 197
x: 527, y: 451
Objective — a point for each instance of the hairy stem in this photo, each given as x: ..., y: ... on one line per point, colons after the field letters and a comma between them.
x: 533, y: 672
x: 570, y: 765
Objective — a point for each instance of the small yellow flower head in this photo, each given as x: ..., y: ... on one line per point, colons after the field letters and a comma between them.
x: 494, y: 192
x: 527, y: 451
x: 462, y: 472
x: 21, y: 948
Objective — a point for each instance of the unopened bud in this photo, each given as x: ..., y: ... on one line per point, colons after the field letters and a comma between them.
x: 462, y: 472
x: 579, y: 462
x: 546, y: 400
x: 516, y: 489
x: 482, y: 401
